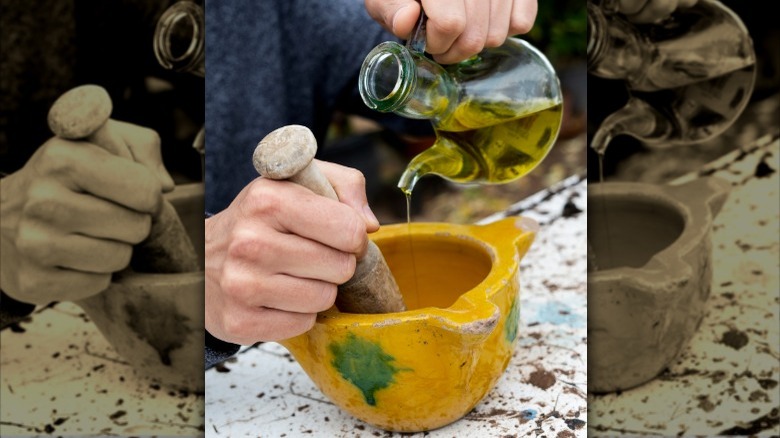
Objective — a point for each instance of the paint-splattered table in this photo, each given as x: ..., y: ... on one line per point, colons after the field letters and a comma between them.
x: 726, y: 381
x: 262, y: 391
x: 61, y: 377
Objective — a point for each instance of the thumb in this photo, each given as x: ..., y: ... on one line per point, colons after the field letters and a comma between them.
x: 350, y: 186
x: 144, y: 145
x: 397, y: 16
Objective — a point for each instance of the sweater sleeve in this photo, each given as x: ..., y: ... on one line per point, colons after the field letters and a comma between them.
x: 217, y: 350
x: 12, y: 311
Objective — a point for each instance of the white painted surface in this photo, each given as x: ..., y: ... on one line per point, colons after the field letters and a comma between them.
x: 263, y: 391
x: 726, y: 382
x: 61, y: 377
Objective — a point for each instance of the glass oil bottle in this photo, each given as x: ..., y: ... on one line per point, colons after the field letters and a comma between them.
x: 689, y: 77
x: 496, y: 115
x: 180, y: 45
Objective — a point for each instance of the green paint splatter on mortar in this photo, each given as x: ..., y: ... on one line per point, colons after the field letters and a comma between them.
x: 512, y: 320
x: 364, y: 364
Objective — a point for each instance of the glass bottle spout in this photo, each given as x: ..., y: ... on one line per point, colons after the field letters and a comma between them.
x: 179, y: 39
x: 443, y: 159
x: 395, y: 79
x: 180, y: 45
x: 636, y: 119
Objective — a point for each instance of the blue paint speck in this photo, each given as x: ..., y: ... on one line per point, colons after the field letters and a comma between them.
x: 557, y: 313
x: 528, y: 414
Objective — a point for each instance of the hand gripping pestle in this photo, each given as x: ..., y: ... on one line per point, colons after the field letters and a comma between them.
x: 82, y: 113
x: 287, y: 154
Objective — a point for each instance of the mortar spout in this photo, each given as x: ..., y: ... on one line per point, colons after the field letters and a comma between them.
x: 473, y: 326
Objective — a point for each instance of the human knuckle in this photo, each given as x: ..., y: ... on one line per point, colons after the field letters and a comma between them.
x: 42, y: 201
x: 264, y: 200
x: 90, y: 285
x: 120, y: 256
x: 232, y: 283
x: 236, y: 327
x: 34, y: 287
x: 495, y: 38
x: 243, y: 246
x: 666, y: 8
x: 326, y: 296
x: 139, y: 228
x: 354, y: 177
x: 292, y: 325
x: 57, y: 152
x: 520, y: 24
x: 304, y: 323
x: 149, y: 136
x: 451, y: 24
x: 355, y: 233
x: 345, y: 268
x: 471, y: 44
x: 149, y: 193
x: 33, y: 242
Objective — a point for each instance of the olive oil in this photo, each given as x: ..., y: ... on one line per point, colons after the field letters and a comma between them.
x: 593, y: 264
x: 488, y: 143
x: 496, y: 115
x: 495, y: 143
x: 680, y: 116
x: 413, y: 301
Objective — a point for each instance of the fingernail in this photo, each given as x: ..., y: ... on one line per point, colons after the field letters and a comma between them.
x: 370, y: 215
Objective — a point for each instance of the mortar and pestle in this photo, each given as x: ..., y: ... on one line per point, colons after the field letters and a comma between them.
x: 429, y: 363
x: 649, y: 276
x: 152, y: 312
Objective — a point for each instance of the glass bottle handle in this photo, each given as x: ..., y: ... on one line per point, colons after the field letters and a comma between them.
x: 179, y: 38
x: 416, y: 42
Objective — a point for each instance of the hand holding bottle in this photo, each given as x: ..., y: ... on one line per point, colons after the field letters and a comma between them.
x: 650, y: 11
x: 456, y: 30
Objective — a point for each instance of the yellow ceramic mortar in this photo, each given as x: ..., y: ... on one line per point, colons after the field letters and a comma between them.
x: 429, y: 366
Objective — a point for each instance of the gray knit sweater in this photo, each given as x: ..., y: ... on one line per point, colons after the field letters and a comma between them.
x: 272, y: 63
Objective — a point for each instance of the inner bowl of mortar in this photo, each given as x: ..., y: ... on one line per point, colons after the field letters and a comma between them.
x: 428, y: 366
x: 649, y: 276
x: 155, y: 321
x: 628, y: 232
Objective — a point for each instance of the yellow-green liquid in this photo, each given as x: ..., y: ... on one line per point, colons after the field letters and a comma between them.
x: 592, y: 257
x: 415, y: 301
x: 485, y: 143
x: 488, y: 143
